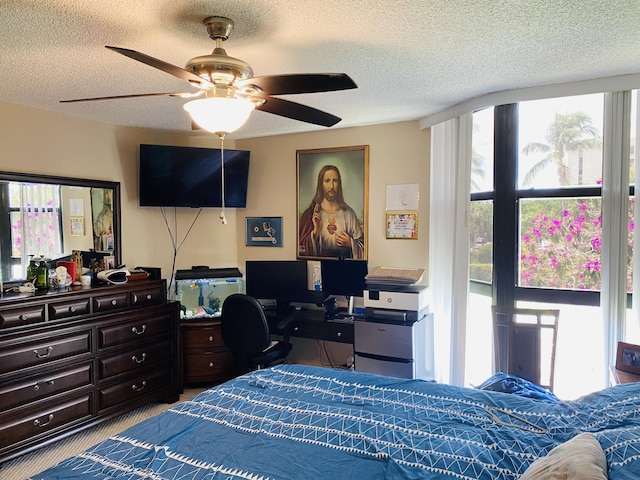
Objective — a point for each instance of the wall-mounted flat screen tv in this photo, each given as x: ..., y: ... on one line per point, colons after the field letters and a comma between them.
x: 172, y: 176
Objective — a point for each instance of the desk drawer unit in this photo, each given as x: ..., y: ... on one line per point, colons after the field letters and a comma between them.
x: 323, y: 330
x: 205, y: 337
x: 204, y: 366
x: 384, y: 339
x: 394, y: 349
x: 206, y: 358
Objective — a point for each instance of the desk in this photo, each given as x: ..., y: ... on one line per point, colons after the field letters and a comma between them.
x: 312, y: 324
x: 619, y: 376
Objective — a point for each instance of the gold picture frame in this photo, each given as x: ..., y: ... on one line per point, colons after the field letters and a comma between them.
x: 332, y: 187
x: 402, y: 225
x: 77, y: 226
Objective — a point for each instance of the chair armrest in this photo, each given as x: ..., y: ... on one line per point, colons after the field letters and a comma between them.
x: 284, y: 325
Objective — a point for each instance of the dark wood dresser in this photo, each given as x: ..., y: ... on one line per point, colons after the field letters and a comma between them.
x: 70, y: 359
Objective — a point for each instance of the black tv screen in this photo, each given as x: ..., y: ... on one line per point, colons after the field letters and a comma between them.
x: 173, y: 176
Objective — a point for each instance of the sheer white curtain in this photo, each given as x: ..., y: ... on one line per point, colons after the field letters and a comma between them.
x: 636, y: 220
x: 39, y: 221
x: 615, y: 208
x: 449, y: 243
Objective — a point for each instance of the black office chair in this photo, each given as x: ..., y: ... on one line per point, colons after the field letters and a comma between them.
x: 246, y: 332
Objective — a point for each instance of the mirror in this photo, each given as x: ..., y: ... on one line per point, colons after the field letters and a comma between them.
x: 53, y: 216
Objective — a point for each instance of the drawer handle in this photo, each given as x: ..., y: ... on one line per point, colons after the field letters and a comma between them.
x: 36, y: 387
x: 114, y: 302
x: 40, y: 424
x: 135, y: 359
x: 135, y: 330
x: 137, y: 388
x: 149, y: 296
x: 72, y: 309
x: 210, y: 364
x: 211, y: 338
x: 43, y: 355
x: 24, y: 317
x: 339, y: 334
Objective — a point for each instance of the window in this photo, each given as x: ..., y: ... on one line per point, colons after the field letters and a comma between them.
x: 559, y: 168
x: 481, y: 209
x: 33, y: 214
x: 479, y: 327
x: 545, y: 208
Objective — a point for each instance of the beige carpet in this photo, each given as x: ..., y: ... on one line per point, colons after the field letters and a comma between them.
x: 32, y: 463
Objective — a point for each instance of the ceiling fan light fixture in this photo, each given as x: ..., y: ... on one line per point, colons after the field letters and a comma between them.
x: 220, y: 115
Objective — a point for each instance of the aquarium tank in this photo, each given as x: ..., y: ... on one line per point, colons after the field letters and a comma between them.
x: 201, y: 291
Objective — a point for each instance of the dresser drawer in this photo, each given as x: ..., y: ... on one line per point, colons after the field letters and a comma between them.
x: 44, y: 420
x: 207, y: 365
x: 68, y: 309
x: 202, y: 337
x: 141, y: 357
x: 27, y: 391
x: 44, y: 351
x: 147, y: 297
x: 23, y: 315
x: 137, y: 330
x: 106, y: 303
x: 134, y: 388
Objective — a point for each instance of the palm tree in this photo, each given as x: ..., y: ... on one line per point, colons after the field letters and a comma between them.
x: 567, y: 133
x: 477, y: 170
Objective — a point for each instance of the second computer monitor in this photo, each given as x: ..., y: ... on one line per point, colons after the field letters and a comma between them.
x: 344, y: 277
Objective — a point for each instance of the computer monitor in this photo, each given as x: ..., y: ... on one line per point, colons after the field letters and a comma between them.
x: 284, y: 281
x: 344, y: 277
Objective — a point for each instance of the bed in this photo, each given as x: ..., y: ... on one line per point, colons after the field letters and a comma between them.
x: 296, y: 422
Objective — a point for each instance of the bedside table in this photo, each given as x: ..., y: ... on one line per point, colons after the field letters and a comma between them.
x: 206, y: 358
x: 617, y: 377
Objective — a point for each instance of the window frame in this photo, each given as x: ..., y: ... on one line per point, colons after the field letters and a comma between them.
x: 506, y: 197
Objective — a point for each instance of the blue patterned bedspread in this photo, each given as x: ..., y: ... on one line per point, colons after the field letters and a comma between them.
x: 298, y: 422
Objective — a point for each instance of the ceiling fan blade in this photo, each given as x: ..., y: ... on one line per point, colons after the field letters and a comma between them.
x: 135, y: 95
x: 301, y: 83
x: 181, y: 73
x: 297, y: 111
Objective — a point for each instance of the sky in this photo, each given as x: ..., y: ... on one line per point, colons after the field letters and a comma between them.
x: 535, y: 118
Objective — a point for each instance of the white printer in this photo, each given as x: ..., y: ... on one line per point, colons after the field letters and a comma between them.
x: 392, y: 301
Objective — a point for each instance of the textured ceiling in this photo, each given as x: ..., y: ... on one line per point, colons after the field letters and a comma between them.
x: 409, y: 58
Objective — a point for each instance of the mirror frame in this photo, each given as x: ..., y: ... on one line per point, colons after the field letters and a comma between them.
x: 77, y: 182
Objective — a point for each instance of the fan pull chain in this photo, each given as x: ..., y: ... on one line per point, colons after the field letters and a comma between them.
x: 222, y: 215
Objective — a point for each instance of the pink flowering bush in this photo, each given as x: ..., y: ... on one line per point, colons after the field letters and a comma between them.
x: 560, y: 244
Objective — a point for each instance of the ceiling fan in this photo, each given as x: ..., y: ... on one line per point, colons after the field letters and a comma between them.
x: 227, y: 85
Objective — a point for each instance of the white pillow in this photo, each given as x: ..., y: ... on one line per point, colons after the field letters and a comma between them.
x: 579, y: 458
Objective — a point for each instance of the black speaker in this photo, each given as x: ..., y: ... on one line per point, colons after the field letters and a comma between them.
x: 154, y: 272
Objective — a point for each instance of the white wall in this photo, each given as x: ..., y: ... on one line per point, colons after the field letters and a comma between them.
x: 42, y: 142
